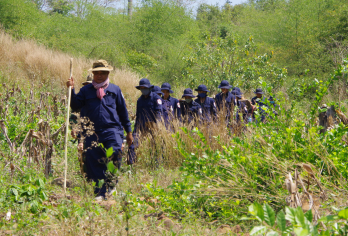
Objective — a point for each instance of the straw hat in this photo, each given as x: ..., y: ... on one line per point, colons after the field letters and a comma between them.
x: 101, y: 65
x: 89, y: 79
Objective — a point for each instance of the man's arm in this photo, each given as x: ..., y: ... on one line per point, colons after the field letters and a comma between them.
x: 77, y: 100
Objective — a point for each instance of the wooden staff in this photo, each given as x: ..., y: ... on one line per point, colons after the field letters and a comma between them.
x: 67, y: 128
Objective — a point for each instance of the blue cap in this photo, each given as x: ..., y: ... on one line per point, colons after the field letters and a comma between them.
x: 237, y: 93
x: 236, y: 89
x: 225, y: 85
x: 145, y: 83
x: 166, y: 86
x: 188, y: 93
x: 202, y: 87
x: 157, y: 90
x: 258, y: 91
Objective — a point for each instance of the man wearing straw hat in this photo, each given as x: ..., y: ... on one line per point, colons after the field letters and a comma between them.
x: 104, y: 105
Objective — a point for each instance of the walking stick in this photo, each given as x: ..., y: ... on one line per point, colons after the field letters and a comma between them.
x: 67, y: 128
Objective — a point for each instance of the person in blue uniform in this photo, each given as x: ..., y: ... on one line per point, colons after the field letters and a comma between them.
x: 275, y: 107
x: 148, y: 113
x: 166, y: 106
x: 174, y: 103
x: 259, y: 102
x: 191, y: 111
x: 207, y: 104
x: 241, y: 107
x: 104, y: 105
x: 225, y: 101
x: 258, y: 98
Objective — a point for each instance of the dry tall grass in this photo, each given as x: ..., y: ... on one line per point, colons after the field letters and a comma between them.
x: 24, y: 61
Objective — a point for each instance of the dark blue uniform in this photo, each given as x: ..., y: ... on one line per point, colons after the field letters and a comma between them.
x: 261, y: 103
x: 174, y: 107
x: 208, y: 108
x: 166, y: 111
x: 242, y: 108
x: 149, y: 111
x: 109, y: 117
x: 190, y: 111
x: 225, y: 101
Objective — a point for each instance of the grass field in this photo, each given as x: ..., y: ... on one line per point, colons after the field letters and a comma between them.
x: 205, y: 184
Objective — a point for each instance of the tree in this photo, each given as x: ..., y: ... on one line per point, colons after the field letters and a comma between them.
x: 60, y: 6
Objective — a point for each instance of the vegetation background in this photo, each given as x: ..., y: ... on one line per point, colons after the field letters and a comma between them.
x: 294, y: 50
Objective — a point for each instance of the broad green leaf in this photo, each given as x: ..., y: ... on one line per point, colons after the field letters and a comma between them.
x: 272, y: 233
x: 314, y: 231
x: 14, y: 191
x: 328, y: 218
x: 34, y: 206
x: 109, y: 152
x: 290, y: 215
x: 257, y: 230
x: 65, y: 213
x: 309, y: 215
x: 343, y: 214
x: 325, y: 233
x: 260, y: 213
x: 281, y: 221
x: 301, y: 232
x: 40, y: 183
x: 256, y: 210
x: 100, y: 183
x: 43, y: 195
x: 111, y: 167
x: 269, y: 214
x: 300, y: 218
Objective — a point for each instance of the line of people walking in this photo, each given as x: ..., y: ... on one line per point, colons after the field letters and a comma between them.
x: 104, y: 105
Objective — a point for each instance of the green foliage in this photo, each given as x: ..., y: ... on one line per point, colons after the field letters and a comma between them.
x: 300, y: 223
x: 324, y: 86
x: 164, y: 42
x: 28, y: 192
x: 215, y: 59
x: 141, y: 63
x: 249, y: 165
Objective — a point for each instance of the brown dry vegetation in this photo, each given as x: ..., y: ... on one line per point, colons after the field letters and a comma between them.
x: 23, y: 60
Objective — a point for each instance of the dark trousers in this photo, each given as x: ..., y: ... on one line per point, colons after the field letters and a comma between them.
x: 96, y: 158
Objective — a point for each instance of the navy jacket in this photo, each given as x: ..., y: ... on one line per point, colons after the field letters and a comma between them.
x: 166, y: 111
x: 148, y: 110
x: 110, y: 112
x: 175, y: 107
x: 225, y: 101
x: 208, y: 108
x: 190, y: 111
x: 261, y: 103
